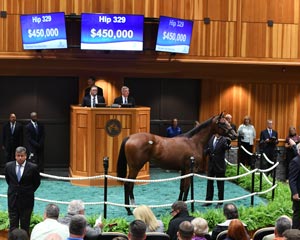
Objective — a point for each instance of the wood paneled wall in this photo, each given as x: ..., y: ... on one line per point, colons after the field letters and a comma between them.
x: 238, y: 28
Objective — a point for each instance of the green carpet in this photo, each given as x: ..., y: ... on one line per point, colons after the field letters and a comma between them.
x: 148, y: 194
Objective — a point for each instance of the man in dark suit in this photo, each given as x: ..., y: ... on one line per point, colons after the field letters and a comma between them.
x: 23, y: 179
x: 125, y: 98
x: 12, y: 137
x: 93, y: 98
x: 35, y: 137
x: 217, y: 146
x: 91, y: 82
x: 268, y: 141
x: 294, y: 182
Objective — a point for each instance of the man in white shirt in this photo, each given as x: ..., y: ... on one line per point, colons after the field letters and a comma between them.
x: 50, y: 225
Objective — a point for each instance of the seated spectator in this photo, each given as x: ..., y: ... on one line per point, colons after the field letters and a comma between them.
x: 18, y: 234
x: 230, y: 212
x: 282, y: 223
x: 49, y: 225
x: 77, y: 207
x: 137, y: 230
x: 180, y: 213
x: 200, y: 228
x: 77, y: 227
x: 237, y: 231
x: 185, y: 231
x: 291, y: 234
x: 145, y: 214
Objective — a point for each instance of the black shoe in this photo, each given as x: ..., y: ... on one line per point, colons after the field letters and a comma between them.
x: 206, y: 204
x: 219, y: 205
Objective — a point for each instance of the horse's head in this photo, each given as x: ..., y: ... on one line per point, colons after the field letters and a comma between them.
x: 224, y: 128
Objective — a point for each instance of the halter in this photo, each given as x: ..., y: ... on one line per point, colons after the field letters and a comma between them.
x: 224, y: 126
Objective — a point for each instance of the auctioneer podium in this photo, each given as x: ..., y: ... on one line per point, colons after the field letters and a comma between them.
x: 97, y: 133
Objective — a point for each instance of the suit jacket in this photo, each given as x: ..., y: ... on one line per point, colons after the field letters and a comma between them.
x: 294, y: 175
x: 35, y: 140
x: 119, y: 100
x: 22, y: 192
x: 87, y: 91
x: 12, y: 141
x: 269, y: 147
x: 217, y: 154
x: 86, y: 102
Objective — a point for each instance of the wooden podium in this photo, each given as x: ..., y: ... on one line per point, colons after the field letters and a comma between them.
x: 97, y: 133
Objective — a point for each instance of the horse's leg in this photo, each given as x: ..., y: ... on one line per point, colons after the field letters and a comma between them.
x: 186, y: 187
x: 130, y: 185
x: 181, y: 190
x: 126, y: 197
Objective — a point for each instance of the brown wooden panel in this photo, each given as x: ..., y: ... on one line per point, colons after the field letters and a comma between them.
x: 254, y: 10
x: 224, y: 10
x: 82, y: 120
x: 81, y: 150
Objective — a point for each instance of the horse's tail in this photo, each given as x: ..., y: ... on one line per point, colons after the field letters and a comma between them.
x: 122, y: 161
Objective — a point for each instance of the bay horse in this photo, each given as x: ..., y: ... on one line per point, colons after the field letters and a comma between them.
x: 168, y: 153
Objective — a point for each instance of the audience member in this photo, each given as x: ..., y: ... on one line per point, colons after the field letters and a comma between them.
x: 12, y: 137
x: 49, y: 225
x: 291, y: 234
x: 92, y: 99
x: 230, y: 212
x: 246, y: 136
x: 18, y: 234
x: 77, y: 227
x: 200, y: 228
x: 180, y: 214
x: 267, y: 144
x: 237, y: 231
x: 185, y: 231
x: 282, y: 223
x: 145, y: 214
x: 35, y: 138
x: 137, y: 230
x: 77, y: 207
x: 23, y: 179
x: 294, y: 182
x: 119, y: 238
x: 174, y: 130
x: 92, y: 82
x: 125, y: 98
x: 290, y: 153
x: 217, y: 146
x: 228, y: 117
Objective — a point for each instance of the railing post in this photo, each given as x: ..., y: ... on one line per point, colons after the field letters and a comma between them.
x: 192, y: 159
x: 105, y: 166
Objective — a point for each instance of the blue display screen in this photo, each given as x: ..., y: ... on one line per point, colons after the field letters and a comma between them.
x: 174, y: 35
x: 112, y: 31
x: 44, y: 31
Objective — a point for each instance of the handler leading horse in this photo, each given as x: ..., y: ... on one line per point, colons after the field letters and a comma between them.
x: 168, y: 153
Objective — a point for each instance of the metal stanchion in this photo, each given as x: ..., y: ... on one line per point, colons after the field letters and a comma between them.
x: 192, y: 183
x: 105, y: 166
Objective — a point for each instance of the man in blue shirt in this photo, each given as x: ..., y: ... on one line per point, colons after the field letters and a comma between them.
x: 77, y: 227
x: 173, y: 130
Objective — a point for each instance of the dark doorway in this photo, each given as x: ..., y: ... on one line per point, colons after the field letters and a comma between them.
x: 51, y: 98
x: 168, y: 99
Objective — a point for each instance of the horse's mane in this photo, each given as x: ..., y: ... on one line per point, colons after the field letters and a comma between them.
x: 197, y: 129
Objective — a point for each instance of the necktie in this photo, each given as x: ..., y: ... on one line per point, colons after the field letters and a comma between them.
x: 215, y: 142
x: 12, y: 128
x: 270, y: 132
x: 93, y: 104
x: 36, y: 128
x: 19, y: 175
x: 126, y: 100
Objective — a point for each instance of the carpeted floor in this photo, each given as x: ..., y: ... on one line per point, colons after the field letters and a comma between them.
x: 149, y: 194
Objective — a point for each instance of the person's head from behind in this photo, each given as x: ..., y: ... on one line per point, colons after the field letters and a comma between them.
x: 53, y: 236
x: 145, y: 214
x: 137, y: 230
x: 291, y: 234
x: 237, y: 231
x: 230, y: 211
x: 185, y: 231
x: 282, y: 223
x: 51, y: 211
x: 200, y: 226
x: 91, y: 81
x: 76, y: 207
x: 18, y: 234
x: 177, y: 207
x: 20, y: 155
x: 77, y: 227
x: 125, y: 91
x: 94, y: 91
